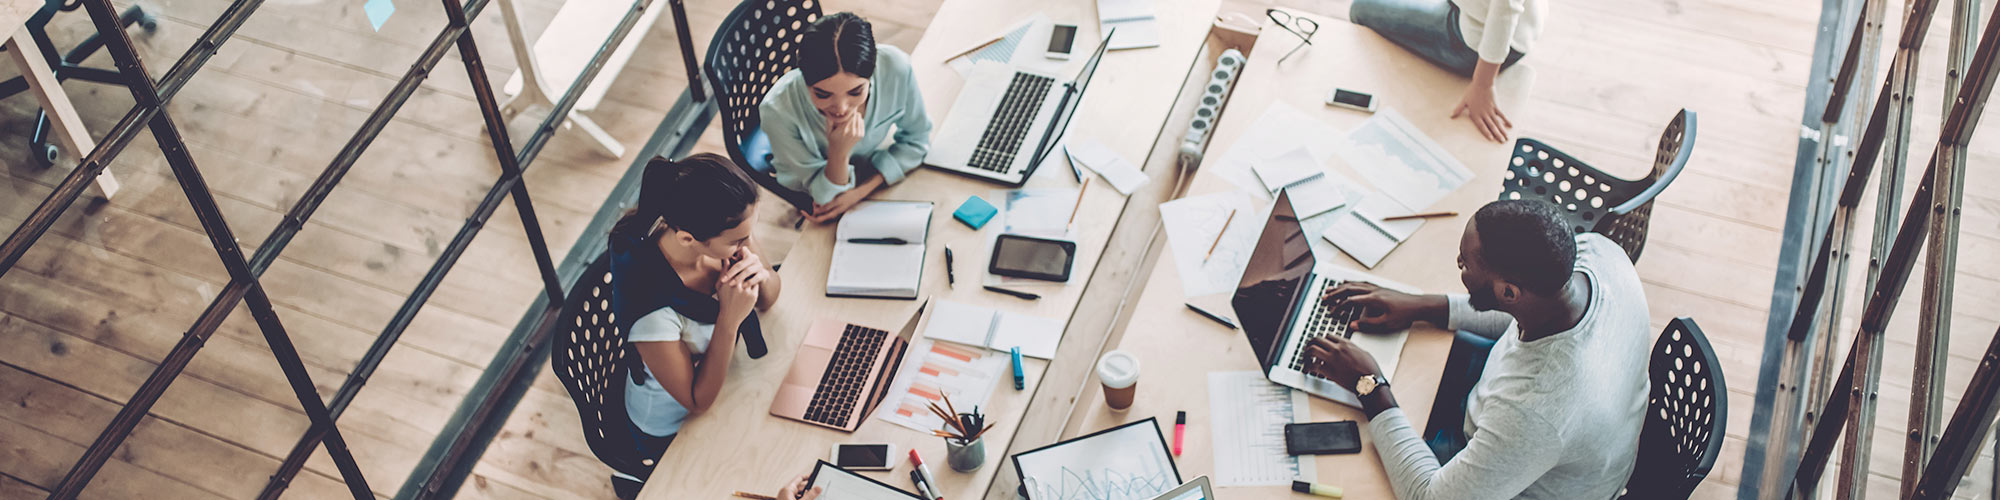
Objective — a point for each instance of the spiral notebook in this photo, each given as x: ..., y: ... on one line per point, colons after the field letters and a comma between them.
x: 878, y: 250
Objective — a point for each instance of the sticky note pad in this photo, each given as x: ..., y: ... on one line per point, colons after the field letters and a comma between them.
x: 378, y: 12
x: 975, y: 212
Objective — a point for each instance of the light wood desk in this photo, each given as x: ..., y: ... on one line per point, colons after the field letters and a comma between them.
x: 1177, y: 348
x: 738, y: 445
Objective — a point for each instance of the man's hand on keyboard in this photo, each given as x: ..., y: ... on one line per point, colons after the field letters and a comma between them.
x: 1385, y: 310
x: 1337, y: 359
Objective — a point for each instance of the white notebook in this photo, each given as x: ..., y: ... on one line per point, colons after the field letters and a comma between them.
x: 990, y: 328
x: 878, y: 250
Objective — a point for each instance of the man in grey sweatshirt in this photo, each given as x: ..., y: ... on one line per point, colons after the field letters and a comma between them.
x: 1556, y: 411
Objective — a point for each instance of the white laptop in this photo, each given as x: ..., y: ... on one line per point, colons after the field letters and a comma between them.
x: 1278, y: 303
x: 1007, y: 120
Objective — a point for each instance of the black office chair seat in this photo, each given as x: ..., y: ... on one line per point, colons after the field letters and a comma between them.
x: 1595, y: 201
x: 1687, y: 410
x: 757, y: 43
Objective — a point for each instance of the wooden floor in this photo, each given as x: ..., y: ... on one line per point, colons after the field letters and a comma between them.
x: 91, y: 309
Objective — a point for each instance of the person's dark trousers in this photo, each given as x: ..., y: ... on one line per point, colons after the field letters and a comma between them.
x: 1445, y: 432
x: 650, y: 448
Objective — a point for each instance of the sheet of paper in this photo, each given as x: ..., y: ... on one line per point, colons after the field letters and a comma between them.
x: 1037, y: 336
x: 1315, y: 190
x: 1126, y: 463
x: 933, y: 370
x: 1192, y: 224
x: 1403, y: 162
x: 1248, y: 415
x: 1282, y: 127
x: 1038, y: 212
x: 1020, y: 44
x: 1094, y: 156
x: 1001, y: 331
x: 909, y: 220
x: 1134, y: 19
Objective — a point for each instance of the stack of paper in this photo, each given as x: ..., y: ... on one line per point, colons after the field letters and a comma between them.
x: 995, y: 329
x: 1122, y: 174
x: 1193, y: 225
x: 1411, y: 172
x: 1313, y: 192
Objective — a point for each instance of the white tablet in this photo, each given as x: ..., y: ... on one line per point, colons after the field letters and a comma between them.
x: 1196, y: 489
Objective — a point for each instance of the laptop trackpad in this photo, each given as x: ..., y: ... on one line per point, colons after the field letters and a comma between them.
x: 814, y: 358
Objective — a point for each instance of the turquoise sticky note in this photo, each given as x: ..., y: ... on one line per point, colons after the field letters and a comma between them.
x: 975, y: 212
x: 378, y: 12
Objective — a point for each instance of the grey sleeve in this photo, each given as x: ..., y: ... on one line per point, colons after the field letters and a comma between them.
x: 1461, y: 316
x: 1501, y: 461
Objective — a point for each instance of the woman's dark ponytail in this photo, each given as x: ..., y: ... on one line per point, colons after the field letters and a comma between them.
x: 703, y: 195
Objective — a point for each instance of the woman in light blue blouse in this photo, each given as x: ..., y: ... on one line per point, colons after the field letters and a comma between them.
x: 828, y: 120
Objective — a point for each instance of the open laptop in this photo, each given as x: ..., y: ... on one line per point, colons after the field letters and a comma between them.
x: 841, y: 373
x: 1008, y: 120
x: 1278, y: 303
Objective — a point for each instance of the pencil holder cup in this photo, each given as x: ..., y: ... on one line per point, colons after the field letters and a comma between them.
x: 965, y: 457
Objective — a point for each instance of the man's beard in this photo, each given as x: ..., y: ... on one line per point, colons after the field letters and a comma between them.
x: 1483, y: 299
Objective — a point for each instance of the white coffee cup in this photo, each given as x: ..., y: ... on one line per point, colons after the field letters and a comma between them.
x: 1119, y: 372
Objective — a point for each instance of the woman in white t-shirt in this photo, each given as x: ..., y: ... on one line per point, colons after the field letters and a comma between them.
x: 685, y: 264
x: 1473, y: 38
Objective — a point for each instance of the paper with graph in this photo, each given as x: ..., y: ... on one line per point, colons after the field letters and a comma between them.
x: 1192, y: 224
x: 1402, y: 162
x: 1128, y: 462
x: 1006, y: 47
x: 1250, y: 414
x: 933, y: 370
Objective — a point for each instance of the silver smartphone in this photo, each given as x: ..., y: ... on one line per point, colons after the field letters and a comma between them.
x: 1351, y: 99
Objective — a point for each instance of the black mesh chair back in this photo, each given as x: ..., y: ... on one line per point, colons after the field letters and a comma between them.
x: 591, y: 358
x: 1686, y: 412
x: 1617, y: 208
x: 756, y: 44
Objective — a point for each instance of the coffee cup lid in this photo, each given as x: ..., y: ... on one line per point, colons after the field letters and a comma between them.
x: 1118, y: 369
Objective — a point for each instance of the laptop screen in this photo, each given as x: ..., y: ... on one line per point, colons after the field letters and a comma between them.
x: 1271, y: 281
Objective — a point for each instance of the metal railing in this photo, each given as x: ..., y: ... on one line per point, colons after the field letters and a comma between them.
x: 151, y: 99
x: 1932, y: 463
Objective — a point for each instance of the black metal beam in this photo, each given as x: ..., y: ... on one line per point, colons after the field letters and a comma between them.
x: 1959, y: 125
x: 174, y: 148
x: 121, y: 135
x: 1843, y: 81
x: 1968, y: 428
x: 686, y: 39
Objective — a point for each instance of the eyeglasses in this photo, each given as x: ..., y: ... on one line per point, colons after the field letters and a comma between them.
x: 1302, y: 27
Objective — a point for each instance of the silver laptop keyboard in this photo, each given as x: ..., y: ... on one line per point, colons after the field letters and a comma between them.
x: 1325, y: 320
x: 1009, y: 128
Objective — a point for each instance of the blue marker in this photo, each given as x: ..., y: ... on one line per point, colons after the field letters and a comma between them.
x: 1019, y: 383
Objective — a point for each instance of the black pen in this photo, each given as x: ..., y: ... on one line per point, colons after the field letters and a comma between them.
x: 878, y: 241
x: 1024, y: 295
x: 950, y: 278
x: 1218, y: 319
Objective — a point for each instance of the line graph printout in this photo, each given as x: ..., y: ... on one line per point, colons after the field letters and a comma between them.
x: 1192, y: 224
x: 1402, y: 162
x: 1128, y: 462
x: 1250, y: 414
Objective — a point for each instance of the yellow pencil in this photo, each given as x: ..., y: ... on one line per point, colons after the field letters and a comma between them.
x: 1079, y: 201
x: 1218, y: 236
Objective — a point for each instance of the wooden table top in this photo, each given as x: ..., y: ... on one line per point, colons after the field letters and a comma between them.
x: 738, y: 445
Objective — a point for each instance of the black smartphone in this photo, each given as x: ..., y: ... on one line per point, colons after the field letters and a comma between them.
x: 1323, y: 438
x: 1030, y: 257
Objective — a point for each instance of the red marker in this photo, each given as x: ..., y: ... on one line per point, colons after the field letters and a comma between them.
x: 1180, y: 428
x: 925, y: 470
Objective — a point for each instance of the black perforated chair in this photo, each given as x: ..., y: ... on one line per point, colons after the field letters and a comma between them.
x: 590, y: 356
x: 757, y: 43
x: 1686, y: 413
x: 1617, y: 208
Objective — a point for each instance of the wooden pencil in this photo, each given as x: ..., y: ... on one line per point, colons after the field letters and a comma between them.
x: 1425, y: 215
x: 1218, y: 235
x: 1079, y: 204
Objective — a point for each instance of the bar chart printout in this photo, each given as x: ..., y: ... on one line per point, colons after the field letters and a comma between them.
x: 933, y: 370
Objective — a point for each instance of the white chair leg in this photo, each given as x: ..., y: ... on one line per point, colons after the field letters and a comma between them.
x: 68, y: 124
x: 604, y: 140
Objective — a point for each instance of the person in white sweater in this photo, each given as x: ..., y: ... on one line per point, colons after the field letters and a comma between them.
x: 1556, y: 411
x: 1473, y: 38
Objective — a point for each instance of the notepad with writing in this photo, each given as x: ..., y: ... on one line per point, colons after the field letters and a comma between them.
x: 878, y: 250
x: 990, y: 328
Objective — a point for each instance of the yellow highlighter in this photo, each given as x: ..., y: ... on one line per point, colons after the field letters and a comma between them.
x: 1316, y: 489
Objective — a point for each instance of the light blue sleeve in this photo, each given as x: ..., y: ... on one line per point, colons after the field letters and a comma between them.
x: 913, y: 129
x: 799, y: 162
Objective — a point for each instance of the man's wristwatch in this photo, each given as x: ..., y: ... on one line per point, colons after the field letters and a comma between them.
x: 1368, y: 383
